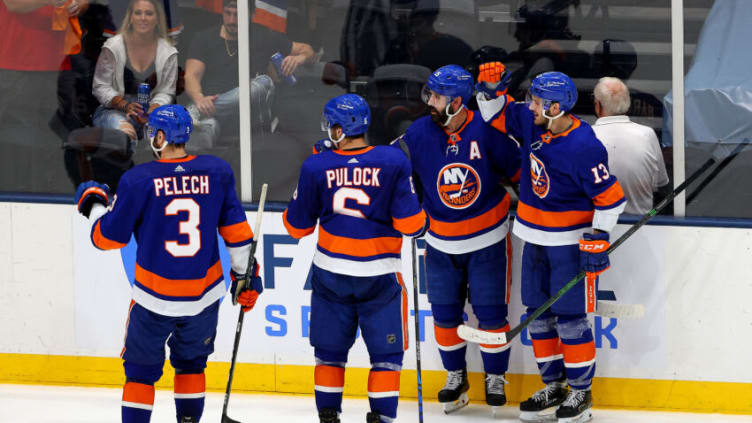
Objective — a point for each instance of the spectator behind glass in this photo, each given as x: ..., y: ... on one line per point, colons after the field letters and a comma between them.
x: 35, y: 38
x: 139, y: 53
x: 634, y: 155
x: 211, y: 74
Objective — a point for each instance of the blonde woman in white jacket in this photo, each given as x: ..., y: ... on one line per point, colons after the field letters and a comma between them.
x: 141, y: 52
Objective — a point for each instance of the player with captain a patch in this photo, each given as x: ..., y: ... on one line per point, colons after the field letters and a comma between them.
x: 460, y: 162
x: 569, y: 202
x: 175, y: 207
x: 364, y: 201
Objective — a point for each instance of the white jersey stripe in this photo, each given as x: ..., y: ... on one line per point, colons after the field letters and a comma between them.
x: 468, y: 245
x: 178, y: 308
x: 357, y: 268
x: 137, y: 405
x: 385, y: 394
x: 330, y: 389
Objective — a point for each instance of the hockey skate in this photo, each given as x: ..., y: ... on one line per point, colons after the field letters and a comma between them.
x: 454, y: 395
x: 327, y: 415
x: 372, y: 417
x: 576, y: 408
x: 533, y: 409
x: 495, y: 395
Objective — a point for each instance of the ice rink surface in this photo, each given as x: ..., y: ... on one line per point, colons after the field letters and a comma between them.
x: 59, y: 404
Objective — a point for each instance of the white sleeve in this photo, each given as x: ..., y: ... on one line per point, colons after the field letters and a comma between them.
x: 164, y: 92
x: 605, y: 220
x: 239, y: 258
x: 489, y: 108
x: 104, y: 74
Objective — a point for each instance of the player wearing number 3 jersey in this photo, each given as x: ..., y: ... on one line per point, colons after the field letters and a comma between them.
x: 364, y: 201
x: 174, y: 206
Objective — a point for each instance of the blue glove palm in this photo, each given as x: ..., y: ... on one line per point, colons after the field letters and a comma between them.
x: 90, y: 193
x: 593, y: 253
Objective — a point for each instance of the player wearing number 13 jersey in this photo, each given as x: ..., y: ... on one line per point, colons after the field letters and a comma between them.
x: 364, y: 201
x: 175, y: 207
x: 568, y: 203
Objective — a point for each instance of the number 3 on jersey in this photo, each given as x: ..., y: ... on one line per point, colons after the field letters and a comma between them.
x: 344, y: 194
x: 600, y: 173
x: 187, y: 227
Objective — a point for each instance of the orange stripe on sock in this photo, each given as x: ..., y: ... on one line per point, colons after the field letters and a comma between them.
x: 578, y: 353
x: 446, y: 337
x: 138, y: 393
x: 546, y: 347
x: 383, y: 381
x: 190, y: 383
x: 329, y: 376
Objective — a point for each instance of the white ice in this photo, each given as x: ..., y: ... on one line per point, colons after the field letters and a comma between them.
x: 56, y: 404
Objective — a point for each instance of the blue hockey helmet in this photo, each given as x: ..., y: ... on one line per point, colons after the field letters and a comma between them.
x: 172, y: 119
x: 450, y: 81
x: 350, y: 112
x: 554, y: 87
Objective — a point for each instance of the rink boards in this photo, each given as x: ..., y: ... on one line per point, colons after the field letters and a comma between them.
x: 64, y: 305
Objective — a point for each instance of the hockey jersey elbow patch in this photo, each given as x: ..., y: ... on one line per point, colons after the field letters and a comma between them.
x: 410, y: 225
x: 237, y: 234
x: 102, y: 242
x: 293, y: 231
x: 611, y: 197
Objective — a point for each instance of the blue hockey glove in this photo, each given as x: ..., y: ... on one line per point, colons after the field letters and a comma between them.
x: 322, y: 145
x: 593, y: 255
x: 90, y: 193
x: 245, y: 293
x: 493, y: 79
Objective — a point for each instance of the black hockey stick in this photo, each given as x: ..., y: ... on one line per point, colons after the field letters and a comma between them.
x: 241, y: 313
x: 482, y: 337
x: 708, y: 179
x: 417, y: 331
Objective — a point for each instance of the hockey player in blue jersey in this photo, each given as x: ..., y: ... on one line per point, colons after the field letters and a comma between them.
x: 569, y: 202
x: 460, y: 162
x: 174, y: 206
x: 364, y: 201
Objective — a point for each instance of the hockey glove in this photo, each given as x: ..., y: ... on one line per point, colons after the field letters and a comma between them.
x: 493, y: 79
x: 322, y: 145
x: 243, y: 292
x: 593, y: 253
x: 90, y: 193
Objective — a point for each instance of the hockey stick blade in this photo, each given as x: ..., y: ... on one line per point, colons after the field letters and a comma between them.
x: 478, y: 336
x: 241, y: 313
x: 604, y: 309
x: 619, y: 311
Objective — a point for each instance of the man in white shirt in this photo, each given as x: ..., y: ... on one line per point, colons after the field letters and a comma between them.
x: 634, y: 154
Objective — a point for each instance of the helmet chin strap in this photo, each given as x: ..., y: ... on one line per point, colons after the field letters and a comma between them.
x: 451, y: 115
x: 551, y: 118
x: 157, y: 151
x: 337, y: 141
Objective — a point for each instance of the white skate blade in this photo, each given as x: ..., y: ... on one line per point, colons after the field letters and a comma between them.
x: 583, y: 417
x: 451, y: 407
x: 547, y: 415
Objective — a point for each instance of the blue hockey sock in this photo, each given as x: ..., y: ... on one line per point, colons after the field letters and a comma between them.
x: 190, y: 392
x: 138, y: 401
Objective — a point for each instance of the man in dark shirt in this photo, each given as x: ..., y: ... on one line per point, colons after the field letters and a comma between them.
x: 211, y: 72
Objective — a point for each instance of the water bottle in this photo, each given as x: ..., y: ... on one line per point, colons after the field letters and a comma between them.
x: 277, y: 60
x: 142, y: 98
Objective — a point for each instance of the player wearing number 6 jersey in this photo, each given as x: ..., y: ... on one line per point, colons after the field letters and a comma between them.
x: 175, y: 206
x: 364, y: 201
x: 461, y: 162
x: 568, y: 203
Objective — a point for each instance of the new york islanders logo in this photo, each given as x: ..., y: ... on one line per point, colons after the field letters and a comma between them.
x: 539, y: 177
x: 458, y: 185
